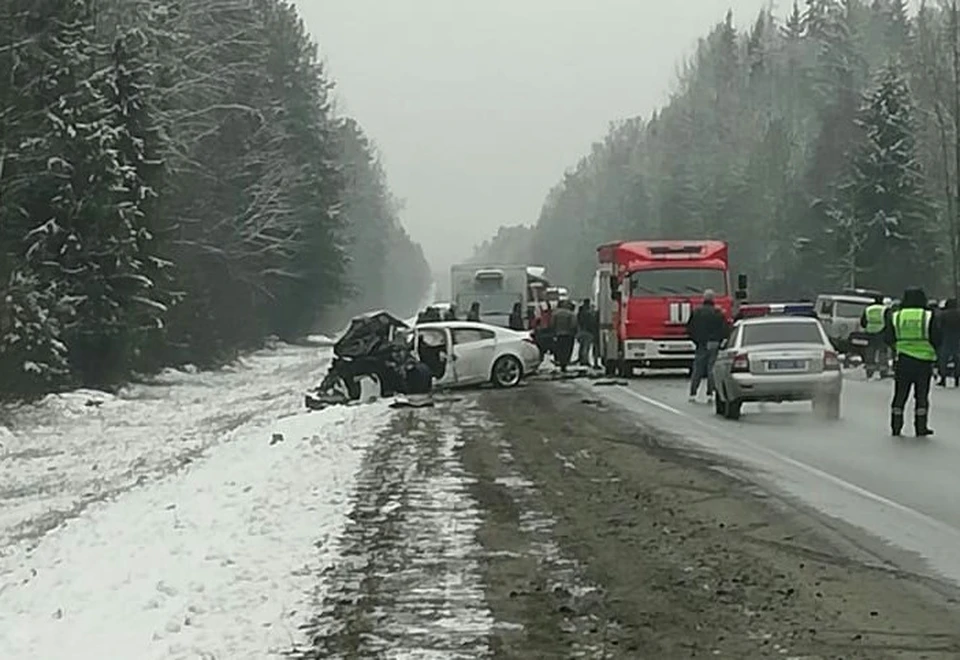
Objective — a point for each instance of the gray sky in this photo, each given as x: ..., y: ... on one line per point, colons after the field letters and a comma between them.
x: 478, y: 107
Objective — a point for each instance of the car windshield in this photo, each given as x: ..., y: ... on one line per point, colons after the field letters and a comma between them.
x: 788, y: 332
x: 849, y: 310
x: 677, y: 281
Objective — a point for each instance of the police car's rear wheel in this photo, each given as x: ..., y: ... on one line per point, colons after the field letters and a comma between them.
x: 827, y: 406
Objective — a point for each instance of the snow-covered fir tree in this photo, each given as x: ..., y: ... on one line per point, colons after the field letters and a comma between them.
x: 888, y: 226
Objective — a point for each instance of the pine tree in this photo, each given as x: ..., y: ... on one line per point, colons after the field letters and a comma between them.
x: 890, y: 213
x: 84, y: 239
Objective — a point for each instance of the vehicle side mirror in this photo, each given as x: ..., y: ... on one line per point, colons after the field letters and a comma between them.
x: 742, y: 281
x: 614, y: 288
x: 740, y: 294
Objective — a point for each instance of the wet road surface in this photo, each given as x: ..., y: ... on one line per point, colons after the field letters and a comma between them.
x: 906, y: 491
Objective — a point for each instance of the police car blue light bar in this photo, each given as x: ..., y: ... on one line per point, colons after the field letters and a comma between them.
x: 768, y: 309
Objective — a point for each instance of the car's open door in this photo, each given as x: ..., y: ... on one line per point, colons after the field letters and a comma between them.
x: 433, y: 347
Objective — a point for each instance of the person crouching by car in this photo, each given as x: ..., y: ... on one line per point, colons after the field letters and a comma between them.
x: 706, y: 327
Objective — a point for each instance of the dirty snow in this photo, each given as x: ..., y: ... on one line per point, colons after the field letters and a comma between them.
x: 408, y: 584
x: 218, y: 561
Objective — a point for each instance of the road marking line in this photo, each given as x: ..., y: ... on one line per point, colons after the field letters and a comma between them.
x: 817, y: 472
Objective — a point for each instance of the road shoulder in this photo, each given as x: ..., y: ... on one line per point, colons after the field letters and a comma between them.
x: 599, y: 539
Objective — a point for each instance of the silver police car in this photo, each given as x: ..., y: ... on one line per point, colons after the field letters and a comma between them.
x: 777, y: 359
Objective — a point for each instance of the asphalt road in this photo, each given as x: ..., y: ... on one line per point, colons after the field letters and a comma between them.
x: 903, y: 491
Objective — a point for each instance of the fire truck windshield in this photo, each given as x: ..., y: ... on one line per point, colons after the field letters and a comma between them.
x: 658, y: 282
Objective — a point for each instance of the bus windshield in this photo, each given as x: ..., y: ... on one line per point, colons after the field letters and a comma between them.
x: 658, y: 282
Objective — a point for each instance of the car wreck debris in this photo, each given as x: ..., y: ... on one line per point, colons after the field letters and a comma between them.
x: 378, y: 346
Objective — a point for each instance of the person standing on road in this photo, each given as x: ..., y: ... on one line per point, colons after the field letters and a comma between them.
x: 474, y: 313
x: 563, y: 327
x: 950, y: 346
x: 914, y: 333
x: 585, y: 334
x: 873, y: 321
x: 706, y: 327
x: 516, y: 317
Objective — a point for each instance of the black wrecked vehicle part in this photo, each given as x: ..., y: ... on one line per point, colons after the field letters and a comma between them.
x: 377, y: 345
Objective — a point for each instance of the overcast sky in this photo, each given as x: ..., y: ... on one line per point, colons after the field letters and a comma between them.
x: 479, y: 107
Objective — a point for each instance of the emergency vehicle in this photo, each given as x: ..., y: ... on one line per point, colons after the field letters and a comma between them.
x: 496, y: 288
x: 752, y: 310
x: 645, y: 292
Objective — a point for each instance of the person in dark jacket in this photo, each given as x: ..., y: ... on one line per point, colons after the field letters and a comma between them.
x: 586, y: 330
x: 451, y: 313
x: 914, y: 334
x: 706, y: 327
x: 949, y: 352
x: 563, y: 327
x: 474, y: 313
x: 516, y: 317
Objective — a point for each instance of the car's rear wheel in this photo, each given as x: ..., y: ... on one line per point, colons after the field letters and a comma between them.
x: 733, y: 409
x: 828, y: 406
x: 729, y: 409
x: 507, y: 371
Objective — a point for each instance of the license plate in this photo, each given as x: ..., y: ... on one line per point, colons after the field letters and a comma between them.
x: 786, y: 365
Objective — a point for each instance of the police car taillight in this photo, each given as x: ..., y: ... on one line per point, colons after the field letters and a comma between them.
x: 831, y: 361
x: 741, y: 363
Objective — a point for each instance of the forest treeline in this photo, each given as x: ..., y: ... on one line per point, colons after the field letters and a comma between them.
x: 823, y: 145
x: 175, y: 186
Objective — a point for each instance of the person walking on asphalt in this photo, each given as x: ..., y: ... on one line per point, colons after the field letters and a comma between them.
x: 872, y: 321
x: 563, y: 327
x: 949, y: 352
x: 586, y: 328
x: 474, y: 313
x: 706, y: 328
x: 914, y: 334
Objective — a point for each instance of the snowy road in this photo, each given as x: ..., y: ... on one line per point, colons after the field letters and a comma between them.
x: 904, y: 491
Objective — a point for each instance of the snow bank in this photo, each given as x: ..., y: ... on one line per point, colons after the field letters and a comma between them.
x: 73, y: 449
x: 219, y: 561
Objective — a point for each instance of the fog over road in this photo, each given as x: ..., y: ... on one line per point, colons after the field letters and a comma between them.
x: 904, y: 491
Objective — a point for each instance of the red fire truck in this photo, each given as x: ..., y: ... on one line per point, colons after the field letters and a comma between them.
x: 645, y: 292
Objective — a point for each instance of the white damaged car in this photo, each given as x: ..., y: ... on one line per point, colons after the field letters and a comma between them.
x: 464, y: 353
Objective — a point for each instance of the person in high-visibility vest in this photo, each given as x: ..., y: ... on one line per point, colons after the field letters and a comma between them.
x: 873, y: 320
x: 914, y: 334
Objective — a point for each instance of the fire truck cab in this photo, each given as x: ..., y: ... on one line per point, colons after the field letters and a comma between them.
x: 645, y: 292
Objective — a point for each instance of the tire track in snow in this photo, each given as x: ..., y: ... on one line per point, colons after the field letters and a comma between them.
x: 65, y: 454
x: 408, y: 583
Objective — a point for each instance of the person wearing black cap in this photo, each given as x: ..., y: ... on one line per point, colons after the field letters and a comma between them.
x: 914, y: 335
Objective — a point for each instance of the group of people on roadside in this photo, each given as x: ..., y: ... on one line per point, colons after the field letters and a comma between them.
x: 565, y: 327
x: 875, y: 319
